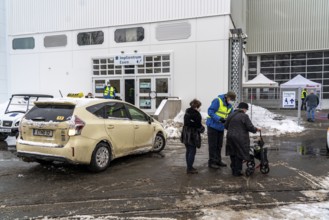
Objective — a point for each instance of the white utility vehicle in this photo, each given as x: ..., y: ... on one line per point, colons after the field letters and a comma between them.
x: 18, y: 105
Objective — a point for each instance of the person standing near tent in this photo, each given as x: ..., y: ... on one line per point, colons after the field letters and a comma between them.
x: 312, y: 101
x: 303, y: 96
x: 218, y: 112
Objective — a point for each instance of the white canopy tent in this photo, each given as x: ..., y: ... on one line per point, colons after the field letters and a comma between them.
x: 260, y: 81
x: 299, y: 82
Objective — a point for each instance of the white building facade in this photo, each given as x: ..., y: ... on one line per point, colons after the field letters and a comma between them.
x: 147, y: 49
x: 3, y: 51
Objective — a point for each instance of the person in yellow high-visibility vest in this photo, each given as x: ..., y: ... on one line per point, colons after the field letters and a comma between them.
x: 218, y: 112
x: 303, y: 97
x: 109, y: 91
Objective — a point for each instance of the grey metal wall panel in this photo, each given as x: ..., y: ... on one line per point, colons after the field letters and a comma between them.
x: 32, y: 16
x: 287, y: 25
x: 239, y: 13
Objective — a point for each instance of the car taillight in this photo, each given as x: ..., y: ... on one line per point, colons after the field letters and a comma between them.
x: 77, y: 126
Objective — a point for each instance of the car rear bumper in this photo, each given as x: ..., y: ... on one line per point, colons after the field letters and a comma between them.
x: 76, y: 152
x: 31, y: 157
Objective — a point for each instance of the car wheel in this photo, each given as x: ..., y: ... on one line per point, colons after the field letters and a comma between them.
x: 159, y: 143
x: 3, y: 136
x: 100, y: 158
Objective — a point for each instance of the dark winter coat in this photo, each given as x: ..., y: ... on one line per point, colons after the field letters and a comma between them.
x: 238, y: 126
x: 192, y: 128
x: 312, y: 100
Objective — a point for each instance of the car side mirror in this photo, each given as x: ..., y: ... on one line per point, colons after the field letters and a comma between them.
x: 150, y: 120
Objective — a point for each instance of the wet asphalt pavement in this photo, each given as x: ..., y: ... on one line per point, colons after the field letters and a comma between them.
x: 156, y: 185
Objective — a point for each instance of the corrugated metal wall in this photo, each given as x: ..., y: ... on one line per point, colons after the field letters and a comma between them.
x: 31, y: 16
x: 287, y: 25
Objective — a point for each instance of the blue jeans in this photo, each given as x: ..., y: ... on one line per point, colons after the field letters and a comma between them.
x: 190, y: 155
x: 310, y: 112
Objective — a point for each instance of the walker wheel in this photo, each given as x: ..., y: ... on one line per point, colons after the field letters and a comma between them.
x: 251, y: 164
x: 265, y: 169
x: 249, y: 171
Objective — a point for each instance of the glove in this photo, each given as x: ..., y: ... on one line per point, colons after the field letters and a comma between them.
x: 222, y: 120
x: 201, y: 130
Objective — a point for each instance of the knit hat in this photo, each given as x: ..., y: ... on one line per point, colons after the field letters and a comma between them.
x: 231, y: 95
x: 243, y: 105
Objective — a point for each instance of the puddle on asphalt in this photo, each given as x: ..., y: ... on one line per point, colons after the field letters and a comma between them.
x: 314, y: 151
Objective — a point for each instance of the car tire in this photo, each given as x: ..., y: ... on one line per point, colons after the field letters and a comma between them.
x: 159, y: 143
x: 100, y: 158
x: 3, y: 136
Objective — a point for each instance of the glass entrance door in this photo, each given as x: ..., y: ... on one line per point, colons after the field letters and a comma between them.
x: 130, y: 91
x: 151, y: 91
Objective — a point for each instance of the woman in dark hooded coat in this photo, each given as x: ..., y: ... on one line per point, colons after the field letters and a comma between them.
x: 191, y: 133
x: 238, y: 126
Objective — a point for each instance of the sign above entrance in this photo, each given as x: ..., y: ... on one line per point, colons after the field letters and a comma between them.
x: 134, y: 59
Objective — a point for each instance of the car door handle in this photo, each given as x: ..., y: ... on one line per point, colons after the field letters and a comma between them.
x: 110, y: 126
x: 136, y: 126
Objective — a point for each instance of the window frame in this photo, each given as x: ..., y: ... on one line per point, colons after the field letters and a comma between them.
x: 123, y: 31
x: 21, y: 48
x: 89, y: 38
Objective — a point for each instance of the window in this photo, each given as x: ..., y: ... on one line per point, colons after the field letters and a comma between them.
x: 115, y: 110
x: 55, y: 41
x: 173, y: 31
x: 283, y: 67
x: 23, y: 43
x: 106, y: 67
x: 154, y: 64
x: 90, y: 38
x: 50, y: 112
x: 129, y: 35
x: 136, y: 114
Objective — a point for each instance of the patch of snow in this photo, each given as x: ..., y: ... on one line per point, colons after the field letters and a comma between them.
x: 260, y: 117
x: 315, y: 211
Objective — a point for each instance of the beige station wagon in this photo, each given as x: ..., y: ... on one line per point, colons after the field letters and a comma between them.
x: 87, y: 131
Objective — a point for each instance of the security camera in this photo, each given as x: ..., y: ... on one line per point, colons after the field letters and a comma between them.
x: 244, y: 36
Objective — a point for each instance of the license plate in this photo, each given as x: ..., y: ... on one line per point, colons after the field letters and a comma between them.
x: 7, y: 130
x: 42, y: 132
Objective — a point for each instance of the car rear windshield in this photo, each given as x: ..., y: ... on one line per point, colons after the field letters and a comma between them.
x: 56, y: 113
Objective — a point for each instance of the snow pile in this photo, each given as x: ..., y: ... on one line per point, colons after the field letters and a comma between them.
x: 270, y: 123
x: 319, y: 211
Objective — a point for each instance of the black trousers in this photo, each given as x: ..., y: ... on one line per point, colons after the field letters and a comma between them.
x: 303, y: 106
x: 215, y: 143
x: 236, y: 164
